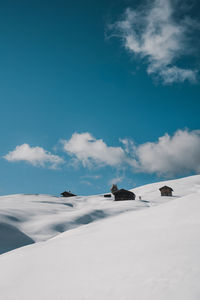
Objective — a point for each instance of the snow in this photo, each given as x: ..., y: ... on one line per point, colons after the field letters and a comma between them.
x: 41, y: 217
x: 136, y: 250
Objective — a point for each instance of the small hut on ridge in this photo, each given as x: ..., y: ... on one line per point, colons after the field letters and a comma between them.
x: 166, y: 191
x: 124, y: 195
x: 67, y: 194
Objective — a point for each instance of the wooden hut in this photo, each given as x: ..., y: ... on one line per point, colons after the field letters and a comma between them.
x: 67, y: 194
x: 124, y: 195
x: 166, y: 191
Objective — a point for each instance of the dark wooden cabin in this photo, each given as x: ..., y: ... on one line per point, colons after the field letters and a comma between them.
x: 166, y: 191
x: 124, y: 195
x: 67, y: 194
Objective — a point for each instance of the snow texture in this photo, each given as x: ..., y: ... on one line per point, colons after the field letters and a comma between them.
x: 141, y: 254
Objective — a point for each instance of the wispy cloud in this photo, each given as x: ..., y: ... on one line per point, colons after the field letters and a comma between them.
x: 116, y: 180
x: 86, y: 182
x: 152, y: 33
x: 36, y: 156
x: 90, y: 179
x: 93, y: 177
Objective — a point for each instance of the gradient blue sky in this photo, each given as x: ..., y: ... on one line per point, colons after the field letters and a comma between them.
x: 63, y: 70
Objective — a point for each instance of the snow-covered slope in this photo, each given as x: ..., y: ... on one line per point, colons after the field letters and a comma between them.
x: 25, y: 219
x: 149, y: 254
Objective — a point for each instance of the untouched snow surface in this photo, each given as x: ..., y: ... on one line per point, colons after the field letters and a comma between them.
x: 25, y: 219
x: 141, y: 254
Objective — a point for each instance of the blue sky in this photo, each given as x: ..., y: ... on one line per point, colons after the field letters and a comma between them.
x: 85, y: 86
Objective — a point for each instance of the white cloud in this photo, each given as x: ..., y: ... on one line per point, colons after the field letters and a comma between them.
x: 86, y: 182
x: 36, y: 156
x: 152, y: 33
x: 90, y: 151
x: 89, y: 179
x: 176, y: 155
x: 175, y: 74
x: 169, y: 156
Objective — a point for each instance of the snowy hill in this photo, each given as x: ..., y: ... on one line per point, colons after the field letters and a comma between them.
x: 26, y: 219
x: 150, y: 253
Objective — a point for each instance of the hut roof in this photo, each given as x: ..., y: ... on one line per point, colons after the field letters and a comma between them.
x: 67, y: 194
x: 124, y: 195
x: 123, y: 191
x: 165, y: 187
